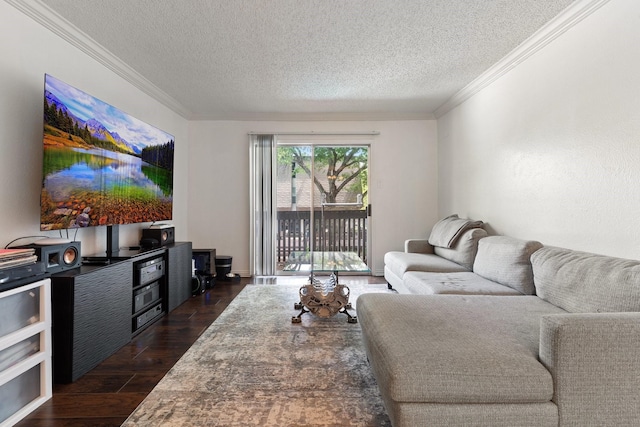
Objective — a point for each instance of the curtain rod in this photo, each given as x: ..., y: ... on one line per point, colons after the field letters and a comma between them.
x: 373, y: 132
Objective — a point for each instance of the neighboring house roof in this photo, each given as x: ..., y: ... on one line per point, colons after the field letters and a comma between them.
x: 303, y: 190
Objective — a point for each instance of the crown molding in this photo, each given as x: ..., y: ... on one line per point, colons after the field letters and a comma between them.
x: 51, y: 20
x: 314, y: 117
x: 568, y: 18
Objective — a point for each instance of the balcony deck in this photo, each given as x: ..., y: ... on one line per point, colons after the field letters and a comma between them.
x: 341, y: 232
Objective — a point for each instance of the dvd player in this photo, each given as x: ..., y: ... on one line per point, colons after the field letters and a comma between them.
x: 95, y: 260
x: 16, y: 276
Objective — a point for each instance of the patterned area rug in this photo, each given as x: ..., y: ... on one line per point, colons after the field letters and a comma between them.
x: 254, y: 367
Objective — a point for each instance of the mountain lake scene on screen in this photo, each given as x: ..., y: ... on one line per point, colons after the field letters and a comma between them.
x: 101, y: 166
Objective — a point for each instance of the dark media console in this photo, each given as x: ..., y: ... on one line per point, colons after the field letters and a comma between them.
x: 98, y: 308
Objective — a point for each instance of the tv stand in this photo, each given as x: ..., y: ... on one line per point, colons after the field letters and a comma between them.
x: 98, y: 308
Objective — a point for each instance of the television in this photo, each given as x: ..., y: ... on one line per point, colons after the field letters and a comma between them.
x: 101, y: 166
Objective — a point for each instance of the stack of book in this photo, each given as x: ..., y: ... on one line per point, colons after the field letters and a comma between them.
x: 17, y: 257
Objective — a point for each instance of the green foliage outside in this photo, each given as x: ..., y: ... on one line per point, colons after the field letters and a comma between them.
x: 345, y: 168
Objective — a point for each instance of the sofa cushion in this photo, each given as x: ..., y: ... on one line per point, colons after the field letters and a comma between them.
x: 507, y: 260
x: 446, y: 231
x: 401, y: 262
x: 461, y: 283
x: 456, y: 348
x: 420, y: 246
x: 581, y: 282
x: 464, y: 250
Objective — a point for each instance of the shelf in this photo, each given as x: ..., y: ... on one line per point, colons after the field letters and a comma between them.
x: 25, y: 350
x: 94, y: 306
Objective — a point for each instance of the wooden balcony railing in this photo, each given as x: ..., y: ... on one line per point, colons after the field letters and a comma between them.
x: 342, y: 231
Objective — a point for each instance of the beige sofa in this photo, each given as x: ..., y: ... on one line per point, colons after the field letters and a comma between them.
x: 458, y: 259
x: 420, y: 255
x: 477, y: 264
x: 564, y: 353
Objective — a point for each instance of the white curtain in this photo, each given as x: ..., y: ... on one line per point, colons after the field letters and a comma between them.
x: 263, y: 165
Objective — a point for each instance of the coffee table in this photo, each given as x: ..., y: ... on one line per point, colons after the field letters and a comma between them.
x: 325, y: 298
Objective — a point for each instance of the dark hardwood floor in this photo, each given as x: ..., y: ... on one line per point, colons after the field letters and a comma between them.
x: 109, y: 393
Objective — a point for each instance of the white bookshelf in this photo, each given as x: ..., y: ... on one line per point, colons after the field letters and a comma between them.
x: 25, y: 350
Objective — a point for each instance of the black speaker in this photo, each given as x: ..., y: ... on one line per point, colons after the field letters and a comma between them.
x: 164, y: 235
x: 197, y: 285
x: 205, y: 261
x: 57, y: 257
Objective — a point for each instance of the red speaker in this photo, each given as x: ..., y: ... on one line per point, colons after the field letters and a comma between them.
x: 57, y: 256
x: 163, y: 235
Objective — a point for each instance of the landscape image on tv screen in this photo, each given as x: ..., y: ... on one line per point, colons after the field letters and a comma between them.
x: 100, y: 165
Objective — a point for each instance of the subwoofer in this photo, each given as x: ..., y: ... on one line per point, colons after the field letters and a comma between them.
x: 164, y: 236
x: 57, y: 256
x: 205, y: 261
x: 197, y: 284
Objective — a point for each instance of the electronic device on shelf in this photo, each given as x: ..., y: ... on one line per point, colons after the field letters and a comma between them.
x: 145, y: 296
x: 148, y: 316
x: 149, y: 271
x: 16, y: 276
x: 95, y: 260
x: 147, y: 292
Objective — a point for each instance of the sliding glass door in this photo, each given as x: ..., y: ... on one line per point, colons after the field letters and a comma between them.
x: 322, y: 206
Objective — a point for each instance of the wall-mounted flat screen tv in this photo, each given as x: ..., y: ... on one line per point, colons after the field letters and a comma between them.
x: 100, y: 165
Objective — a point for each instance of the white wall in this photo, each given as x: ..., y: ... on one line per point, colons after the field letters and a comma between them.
x: 551, y: 150
x: 27, y: 52
x: 403, y: 188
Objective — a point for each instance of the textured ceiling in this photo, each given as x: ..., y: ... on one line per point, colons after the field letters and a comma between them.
x: 314, y: 59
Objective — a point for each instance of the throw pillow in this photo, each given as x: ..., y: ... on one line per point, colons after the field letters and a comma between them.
x: 446, y: 231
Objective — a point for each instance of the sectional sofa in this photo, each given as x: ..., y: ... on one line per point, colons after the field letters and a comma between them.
x: 520, y: 334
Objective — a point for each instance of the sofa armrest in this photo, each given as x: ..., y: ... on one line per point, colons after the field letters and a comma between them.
x: 594, y: 359
x: 418, y: 246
